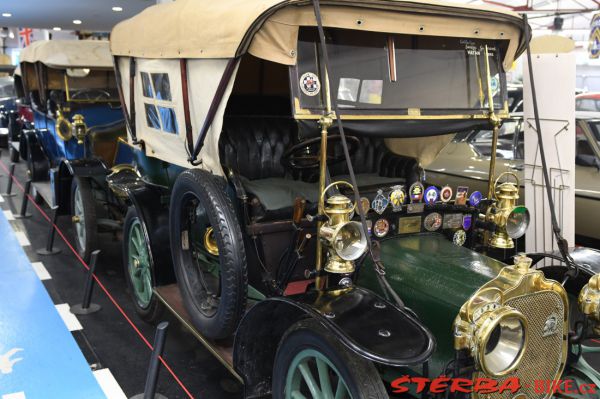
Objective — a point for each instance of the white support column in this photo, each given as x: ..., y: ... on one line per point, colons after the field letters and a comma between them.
x: 554, y: 76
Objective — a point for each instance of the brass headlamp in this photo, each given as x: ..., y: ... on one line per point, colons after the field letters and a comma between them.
x: 345, y: 240
x: 79, y: 128
x: 589, y: 301
x: 493, y: 333
x: 511, y: 220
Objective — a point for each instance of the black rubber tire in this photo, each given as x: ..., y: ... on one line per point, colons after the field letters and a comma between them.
x: 14, y: 154
x: 154, y: 311
x: 209, y: 191
x: 89, y: 214
x: 360, y: 375
x: 37, y: 164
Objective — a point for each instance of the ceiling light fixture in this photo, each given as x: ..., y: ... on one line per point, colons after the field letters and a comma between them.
x: 6, y: 14
x: 77, y: 21
x: 117, y: 9
x: 57, y: 28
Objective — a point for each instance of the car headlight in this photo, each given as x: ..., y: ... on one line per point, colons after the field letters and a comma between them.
x: 517, y: 222
x: 501, y: 341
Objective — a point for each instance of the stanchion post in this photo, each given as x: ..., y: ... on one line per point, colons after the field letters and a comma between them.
x: 86, y: 306
x: 50, y: 250
x: 154, y: 367
x: 23, y: 213
x: 9, y: 192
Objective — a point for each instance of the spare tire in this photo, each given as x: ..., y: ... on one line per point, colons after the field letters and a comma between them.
x: 213, y: 286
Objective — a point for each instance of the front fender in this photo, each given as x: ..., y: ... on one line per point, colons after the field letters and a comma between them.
x: 366, y: 324
x: 86, y: 167
x: 62, y: 178
x: 588, y: 260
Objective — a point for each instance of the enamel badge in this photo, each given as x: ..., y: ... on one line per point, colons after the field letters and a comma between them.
x: 380, y: 202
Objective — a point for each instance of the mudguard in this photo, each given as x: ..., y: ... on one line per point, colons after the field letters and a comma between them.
x: 31, y: 151
x: 366, y: 324
x: 152, y: 205
x: 89, y: 167
x: 587, y: 258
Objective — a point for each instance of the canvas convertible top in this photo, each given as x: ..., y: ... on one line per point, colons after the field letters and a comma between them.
x: 62, y: 54
x: 268, y: 29
x: 209, y: 35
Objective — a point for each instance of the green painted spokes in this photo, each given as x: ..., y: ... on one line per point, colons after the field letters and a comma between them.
x: 312, y: 375
x: 79, y: 218
x: 138, y: 265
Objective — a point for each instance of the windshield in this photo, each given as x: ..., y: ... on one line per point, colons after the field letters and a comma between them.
x: 587, y: 104
x: 378, y: 71
x: 7, y: 89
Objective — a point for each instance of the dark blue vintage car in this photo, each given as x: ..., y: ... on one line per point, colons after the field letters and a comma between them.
x: 78, y: 135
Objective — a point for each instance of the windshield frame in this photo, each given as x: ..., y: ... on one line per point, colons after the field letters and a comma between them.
x: 366, y: 113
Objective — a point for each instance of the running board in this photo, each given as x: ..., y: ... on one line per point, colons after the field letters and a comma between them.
x: 170, y: 296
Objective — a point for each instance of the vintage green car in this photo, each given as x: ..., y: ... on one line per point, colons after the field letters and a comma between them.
x: 279, y: 145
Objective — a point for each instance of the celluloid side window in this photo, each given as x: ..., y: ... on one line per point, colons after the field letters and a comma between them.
x: 152, y: 116
x: 160, y: 110
x: 162, y: 86
x: 146, y: 86
x: 169, y: 121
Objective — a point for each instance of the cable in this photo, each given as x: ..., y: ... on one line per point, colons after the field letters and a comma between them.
x: 563, y: 245
x: 377, y: 263
x: 102, y: 287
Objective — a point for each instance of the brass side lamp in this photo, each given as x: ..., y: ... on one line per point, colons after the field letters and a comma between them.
x: 511, y: 220
x: 344, y: 239
x: 79, y: 128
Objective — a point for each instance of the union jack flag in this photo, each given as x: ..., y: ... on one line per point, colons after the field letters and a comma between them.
x: 25, y: 36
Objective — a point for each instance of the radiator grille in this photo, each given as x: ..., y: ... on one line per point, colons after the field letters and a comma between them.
x: 543, y: 359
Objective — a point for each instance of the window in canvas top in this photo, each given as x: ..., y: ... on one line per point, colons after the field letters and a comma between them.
x: 162, y: 87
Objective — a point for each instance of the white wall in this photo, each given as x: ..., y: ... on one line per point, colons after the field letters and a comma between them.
x: 554, y: 77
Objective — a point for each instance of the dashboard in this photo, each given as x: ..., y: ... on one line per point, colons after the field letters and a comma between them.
x: 393, y: 211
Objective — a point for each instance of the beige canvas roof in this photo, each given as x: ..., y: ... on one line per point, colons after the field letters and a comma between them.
x: 63, y: 54
x: 268, y: 28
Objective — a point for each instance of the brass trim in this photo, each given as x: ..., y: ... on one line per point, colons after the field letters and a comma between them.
x: 210, y: 243
x: 512, y: 282
x: 61, y: 120
x: 589, y: 301
x: 502, y: 115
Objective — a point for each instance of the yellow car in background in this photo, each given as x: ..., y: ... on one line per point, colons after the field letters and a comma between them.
x: 465, y: 162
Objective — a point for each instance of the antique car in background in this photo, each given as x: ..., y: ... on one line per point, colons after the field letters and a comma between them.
x: 465, y: 162
x: 8, y: 105
x: 78, y: 131
x: 279, y: 145
x: 589, y: 102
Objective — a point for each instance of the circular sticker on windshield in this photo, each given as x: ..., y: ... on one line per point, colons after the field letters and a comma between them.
x: 309, y: 84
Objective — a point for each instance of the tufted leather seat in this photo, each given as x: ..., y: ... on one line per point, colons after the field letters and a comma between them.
x: 252, y: 147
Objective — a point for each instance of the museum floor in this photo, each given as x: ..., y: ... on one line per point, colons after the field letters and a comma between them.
x: 102, y: 345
